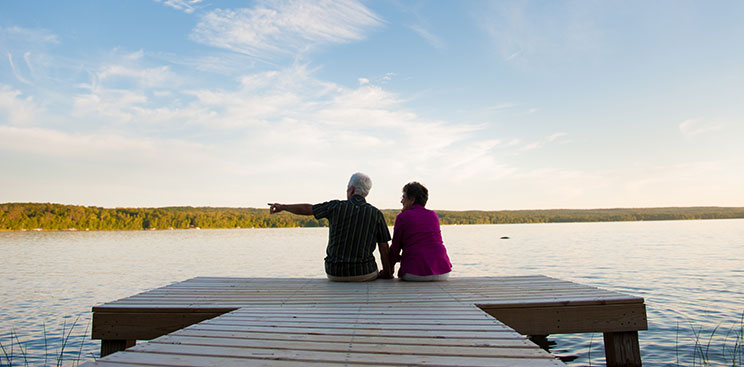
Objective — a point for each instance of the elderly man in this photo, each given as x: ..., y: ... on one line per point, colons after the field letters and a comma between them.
x: 355, y: 227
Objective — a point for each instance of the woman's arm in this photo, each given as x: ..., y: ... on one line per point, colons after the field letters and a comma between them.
x: 388, y: 268
x: 397, y: 238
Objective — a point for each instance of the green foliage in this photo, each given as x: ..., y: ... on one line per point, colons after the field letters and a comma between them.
x: 29, y: 216
x: 588, y: 215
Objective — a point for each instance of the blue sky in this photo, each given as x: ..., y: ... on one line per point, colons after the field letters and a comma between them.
x: 492, y: 105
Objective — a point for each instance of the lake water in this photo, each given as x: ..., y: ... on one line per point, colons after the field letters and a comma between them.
x: 689, y: 272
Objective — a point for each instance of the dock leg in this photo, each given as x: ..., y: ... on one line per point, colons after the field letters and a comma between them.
x: 109, y: 346
x: 541, y: 341
x: 622, y: 349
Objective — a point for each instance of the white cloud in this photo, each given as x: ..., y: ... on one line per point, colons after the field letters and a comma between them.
x: 17, y: 110
x: 567, y: 188
x: 69, y: 145
x: 514, y: 142
x: 107, y: 106
x: 531, y: 146
x: 267, y: 126
x: 145, y: 77
x: 27, y: 59
x: 187, y: 6
x: 366, y: 97
x: 715, y: 182
x: 556, y: 136
x: 432, y: 39
x: 19, y: 44
x: 26, y: 36
x: 695, y: 127
x: 285, y: 27
x: 120, y: 93
x: 132, y: 56
x: 16, y: 72
x: 538, y: 144
x: 501, y: 106
x: 363, y: 81
x: 522, y: 33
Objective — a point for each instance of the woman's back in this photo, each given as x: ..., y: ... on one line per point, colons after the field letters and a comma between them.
x: 418, y: 236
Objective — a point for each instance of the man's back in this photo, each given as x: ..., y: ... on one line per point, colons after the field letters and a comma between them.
x: 355, y: 228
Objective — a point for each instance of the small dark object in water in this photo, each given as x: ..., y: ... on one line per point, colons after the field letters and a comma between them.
x: 505, y: 237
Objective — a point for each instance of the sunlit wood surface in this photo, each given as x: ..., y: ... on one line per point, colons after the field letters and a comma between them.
x: 291, y: 322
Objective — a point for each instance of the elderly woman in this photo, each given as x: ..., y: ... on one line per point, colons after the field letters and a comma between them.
x: 417, y: 234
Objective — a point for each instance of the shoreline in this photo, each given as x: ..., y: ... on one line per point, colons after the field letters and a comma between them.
x: 289, y: 227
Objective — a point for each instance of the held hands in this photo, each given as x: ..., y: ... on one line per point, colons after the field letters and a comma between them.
x: 384, y: 274
x: 275, y: 208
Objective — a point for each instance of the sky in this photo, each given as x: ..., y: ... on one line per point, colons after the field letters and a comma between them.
x: 493, y: 105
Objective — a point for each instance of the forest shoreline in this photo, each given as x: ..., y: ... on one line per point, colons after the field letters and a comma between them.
x: 61, y: 217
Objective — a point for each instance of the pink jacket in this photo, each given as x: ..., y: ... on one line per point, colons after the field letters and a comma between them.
x: 417, y: 234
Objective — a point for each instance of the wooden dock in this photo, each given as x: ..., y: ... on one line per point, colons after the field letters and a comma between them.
x: 305, y: 322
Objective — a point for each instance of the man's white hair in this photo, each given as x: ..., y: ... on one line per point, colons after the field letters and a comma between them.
x: 361, y: 182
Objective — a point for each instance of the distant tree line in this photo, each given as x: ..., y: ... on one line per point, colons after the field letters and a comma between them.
x: 30, y: 216
x: 18, y: 216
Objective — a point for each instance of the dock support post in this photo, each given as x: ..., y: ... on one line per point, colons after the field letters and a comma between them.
x: 541, y: 341
x: 109, y: 346
x: 622, y: 349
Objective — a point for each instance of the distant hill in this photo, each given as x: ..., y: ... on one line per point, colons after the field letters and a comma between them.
x: 40, y: 216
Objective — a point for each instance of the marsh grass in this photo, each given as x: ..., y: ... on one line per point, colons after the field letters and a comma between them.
x: 704, y: 353
x: 12, y: 358
x: 704, y: 346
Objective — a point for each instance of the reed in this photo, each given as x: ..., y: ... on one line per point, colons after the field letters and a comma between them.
x: 732, y: 346
x: 10, y: 358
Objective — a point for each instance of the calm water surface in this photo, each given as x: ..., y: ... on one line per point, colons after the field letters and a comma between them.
x: 689, y: 272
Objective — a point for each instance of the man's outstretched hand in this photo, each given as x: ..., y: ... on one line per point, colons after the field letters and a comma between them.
x: 275, y: 208
x: 299, y: 209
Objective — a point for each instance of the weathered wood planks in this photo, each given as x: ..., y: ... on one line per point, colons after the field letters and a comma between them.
x: 380, y: 336
x: 266, y: 321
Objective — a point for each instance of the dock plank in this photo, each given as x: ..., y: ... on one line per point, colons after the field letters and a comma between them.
x: 299, y: 321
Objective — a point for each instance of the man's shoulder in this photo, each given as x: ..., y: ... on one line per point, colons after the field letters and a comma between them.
x: 325, y: 209
x: 328, y: 203
x: 374, y: 209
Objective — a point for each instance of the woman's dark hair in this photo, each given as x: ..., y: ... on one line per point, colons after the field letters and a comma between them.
x: 417, y: 192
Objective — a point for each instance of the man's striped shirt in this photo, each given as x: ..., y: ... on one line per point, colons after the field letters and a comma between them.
x: 355, y: 228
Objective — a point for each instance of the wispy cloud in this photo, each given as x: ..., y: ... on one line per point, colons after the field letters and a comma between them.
x: 187, y: 6
x: 521, y: 32
x: 431, y: 38
x: 17, y: 109
x: 15, y: 70
x: 19, y: 43
x: 285, y: 27
x: 687, y: 183
x: 326, y: 124
x: 537, y: 144
x: 146, y: 77
x: 556, y: 136
x: 16, y: 34
x: 694, y: 127
x: 501, y: 106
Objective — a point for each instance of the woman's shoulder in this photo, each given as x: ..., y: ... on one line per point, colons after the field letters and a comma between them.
x: 416, y: 212
x: 423, y: 211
